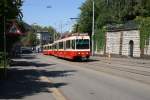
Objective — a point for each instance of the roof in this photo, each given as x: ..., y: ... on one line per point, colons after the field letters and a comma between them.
x: 74, y: 34
x: 130, y: 25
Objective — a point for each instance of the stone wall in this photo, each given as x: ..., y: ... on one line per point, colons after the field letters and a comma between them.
x: 133, y: 35
x: 119, y: 42
x: 112, y: 42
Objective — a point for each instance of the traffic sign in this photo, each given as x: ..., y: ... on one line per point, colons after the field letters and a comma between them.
x: 14, y: 29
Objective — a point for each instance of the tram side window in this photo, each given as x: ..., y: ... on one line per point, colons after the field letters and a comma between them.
x: 68, y: 44
x: 64, y: 45
x: 73, y: 44
x: 54, y: 46
x: 49, y: 47
x: 60, y: 45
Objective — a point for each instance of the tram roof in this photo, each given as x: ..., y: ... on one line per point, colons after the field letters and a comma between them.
x: 75, y: 34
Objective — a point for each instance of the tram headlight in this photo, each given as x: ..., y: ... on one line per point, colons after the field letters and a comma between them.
x: 79, y: 53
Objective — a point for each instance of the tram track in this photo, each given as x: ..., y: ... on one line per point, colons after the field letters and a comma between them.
x: 106, y: 67
x: 128, y: 62
x: 110, y: 65
x: 117, y: 69
x: 115, y: 66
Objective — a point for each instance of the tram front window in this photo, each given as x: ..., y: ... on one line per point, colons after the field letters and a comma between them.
x: 82, y: 44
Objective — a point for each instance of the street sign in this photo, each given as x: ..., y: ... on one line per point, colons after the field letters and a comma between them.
x: 14, y: 29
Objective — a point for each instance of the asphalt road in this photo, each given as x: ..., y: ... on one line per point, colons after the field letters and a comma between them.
x: 39, y: 77
x: 86, y: 81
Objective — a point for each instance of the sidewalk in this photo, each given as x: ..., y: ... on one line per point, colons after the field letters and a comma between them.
x: 24, y: 82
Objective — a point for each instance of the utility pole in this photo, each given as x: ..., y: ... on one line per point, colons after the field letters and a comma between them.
x: 4, y: 46
x: 93, y: 29
x: 54, y: 35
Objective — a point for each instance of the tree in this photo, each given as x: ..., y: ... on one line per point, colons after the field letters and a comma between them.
x: 144, y: 26
x: 110, y: 12
x: 29, y: 40
x: 10, y: 10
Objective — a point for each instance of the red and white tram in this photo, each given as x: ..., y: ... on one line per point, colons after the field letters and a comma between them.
x: 76, y: 46
x: 47, y: 49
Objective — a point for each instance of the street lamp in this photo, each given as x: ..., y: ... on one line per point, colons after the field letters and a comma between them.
x: 93, y: 30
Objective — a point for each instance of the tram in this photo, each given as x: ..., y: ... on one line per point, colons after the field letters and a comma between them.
x: 75, y: 46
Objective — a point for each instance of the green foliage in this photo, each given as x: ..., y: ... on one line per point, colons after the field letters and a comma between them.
x: 50, y: 29
x: 38, y: 28
x: 29, y: 40
x: 11, y: 10
x: 144, y: 26
x: 100, y: 38
x: 113, y: 12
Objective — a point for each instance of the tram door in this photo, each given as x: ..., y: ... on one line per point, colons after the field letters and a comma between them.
x: 131, y: 46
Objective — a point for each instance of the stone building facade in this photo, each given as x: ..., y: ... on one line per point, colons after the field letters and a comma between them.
x: 123, y: 42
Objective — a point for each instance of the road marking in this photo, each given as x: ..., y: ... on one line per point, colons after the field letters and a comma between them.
x: 55, y: 92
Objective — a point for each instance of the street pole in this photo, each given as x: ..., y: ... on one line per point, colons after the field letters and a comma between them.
x: 54, y: 36
x: 93, y: 30
x: 61, y: 28
x: 4, y: 47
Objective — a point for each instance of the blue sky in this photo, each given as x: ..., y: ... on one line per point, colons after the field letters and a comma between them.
x: 36, y: 11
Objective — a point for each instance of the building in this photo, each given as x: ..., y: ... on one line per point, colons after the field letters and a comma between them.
x: 43, y: 38
x: 124, y: 42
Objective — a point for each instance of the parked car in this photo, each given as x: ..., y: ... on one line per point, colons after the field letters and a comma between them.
x: 26, y: 50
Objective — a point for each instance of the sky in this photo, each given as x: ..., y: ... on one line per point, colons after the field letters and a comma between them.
x: 55, y: 13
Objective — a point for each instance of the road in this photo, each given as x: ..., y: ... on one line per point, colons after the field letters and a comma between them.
x: 50, y: 78
x: 88, y: 80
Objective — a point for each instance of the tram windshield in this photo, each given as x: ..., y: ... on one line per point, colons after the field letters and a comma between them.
x: 82, y: 44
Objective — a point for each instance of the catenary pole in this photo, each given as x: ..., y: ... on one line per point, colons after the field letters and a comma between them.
x: 93, y: 29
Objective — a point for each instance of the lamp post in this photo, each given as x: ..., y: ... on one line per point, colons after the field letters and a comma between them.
x: 93, y: 29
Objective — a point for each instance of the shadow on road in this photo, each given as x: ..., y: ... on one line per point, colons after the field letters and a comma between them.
x: 83, y: 60
x: 29, y: 63
x: 24, y: 82
x: 58, y: 73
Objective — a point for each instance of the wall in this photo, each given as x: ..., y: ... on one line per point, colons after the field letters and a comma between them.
x: 112, y: 42
x: 118, y: 42
x: 133, y: 35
